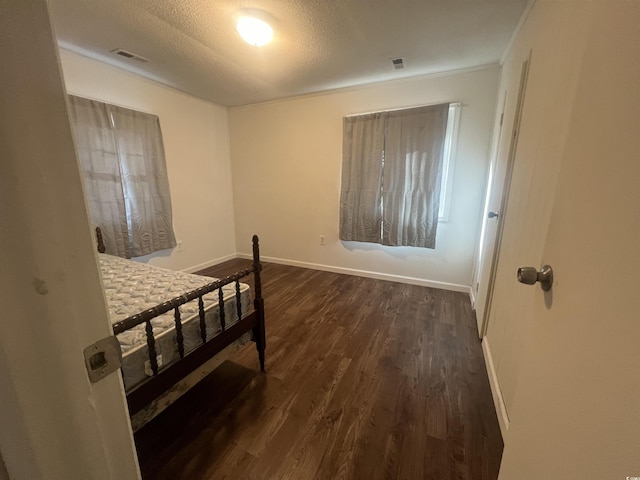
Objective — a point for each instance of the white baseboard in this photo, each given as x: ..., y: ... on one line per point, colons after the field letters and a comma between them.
x: 211, y: 263
x: 472, y: 298
x: 496, y: 392
x: 365, y: 273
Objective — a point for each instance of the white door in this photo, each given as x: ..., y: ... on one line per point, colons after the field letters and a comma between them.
x: 54, y: 422
x: 497, y: 196
x: 553, y: 38
x: 576, y: 413
x: 488, y: 232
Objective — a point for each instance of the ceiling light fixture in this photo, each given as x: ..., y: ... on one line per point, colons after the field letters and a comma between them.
x: 253, y: 28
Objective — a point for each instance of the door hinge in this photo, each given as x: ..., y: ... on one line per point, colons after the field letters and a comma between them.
x: 102, y: 358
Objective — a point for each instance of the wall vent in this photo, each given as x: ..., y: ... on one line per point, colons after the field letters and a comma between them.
x: 397, y: 63
x: 130, y: 56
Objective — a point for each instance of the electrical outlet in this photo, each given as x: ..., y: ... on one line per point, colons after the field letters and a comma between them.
x: 179, y: 246
x: 322, y: 240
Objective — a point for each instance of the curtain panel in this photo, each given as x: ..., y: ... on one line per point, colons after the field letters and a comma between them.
x: 144, y: 180
x: 102, y: 180
x: 392, y: 175
x: 412, y: 173
x: 360, y: 206
x: 124, y: 172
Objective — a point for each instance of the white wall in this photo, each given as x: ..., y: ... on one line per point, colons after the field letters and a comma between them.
x: 196, y: 141
x: 286, y: 158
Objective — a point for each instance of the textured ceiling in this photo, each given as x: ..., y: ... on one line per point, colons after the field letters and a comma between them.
x: 318, y: 44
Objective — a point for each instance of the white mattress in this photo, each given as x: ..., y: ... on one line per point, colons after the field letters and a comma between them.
x: 131, y: 287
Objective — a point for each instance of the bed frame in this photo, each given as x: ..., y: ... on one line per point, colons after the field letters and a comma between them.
x: 143, y: 393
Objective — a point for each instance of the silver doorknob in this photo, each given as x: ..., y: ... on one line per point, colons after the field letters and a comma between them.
x: 493, y: 215
x: 529, y: 276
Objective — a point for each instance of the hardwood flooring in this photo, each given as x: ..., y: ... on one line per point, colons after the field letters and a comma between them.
x: 365, y: 379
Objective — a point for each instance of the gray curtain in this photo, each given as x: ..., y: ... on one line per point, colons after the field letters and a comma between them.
x: 360, y: 199
x: 413, y: 162
x: 102, y: 180
x: 144, y: 180
x: 392, y: 166
x: 121, y: 156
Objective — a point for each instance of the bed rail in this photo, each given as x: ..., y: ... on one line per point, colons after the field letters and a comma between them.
x: 164, y: 307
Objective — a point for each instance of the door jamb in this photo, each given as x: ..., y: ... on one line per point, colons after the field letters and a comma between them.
x: 524, y: 75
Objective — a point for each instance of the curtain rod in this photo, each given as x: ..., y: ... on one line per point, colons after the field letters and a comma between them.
x: 456, y: 104
x: 87, y: 97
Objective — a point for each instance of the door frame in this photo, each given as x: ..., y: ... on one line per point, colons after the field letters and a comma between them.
x: 480, y: 258
x: 504, y: 201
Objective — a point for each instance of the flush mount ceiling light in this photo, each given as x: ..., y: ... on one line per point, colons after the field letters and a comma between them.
x: 253, y: 27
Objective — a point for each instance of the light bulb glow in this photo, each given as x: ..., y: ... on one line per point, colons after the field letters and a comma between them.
x: 254, y: 31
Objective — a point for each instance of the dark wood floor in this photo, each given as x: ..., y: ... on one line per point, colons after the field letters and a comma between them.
x: 365, y: 379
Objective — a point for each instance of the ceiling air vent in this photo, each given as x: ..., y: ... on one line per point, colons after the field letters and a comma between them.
x: 398, y: 63
x: 130, y: 56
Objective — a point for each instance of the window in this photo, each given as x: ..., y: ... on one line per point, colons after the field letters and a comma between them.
x: 396, y: 175
x: 450, y: 143
x: 121, y: 157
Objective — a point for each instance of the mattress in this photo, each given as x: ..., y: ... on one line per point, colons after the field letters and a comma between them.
x: 131, y: 287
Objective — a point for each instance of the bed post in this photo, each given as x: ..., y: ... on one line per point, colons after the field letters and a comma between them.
x: 259, y: 333
x: 101, y: 247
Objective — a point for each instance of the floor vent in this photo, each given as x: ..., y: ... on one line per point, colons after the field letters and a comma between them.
x: 130, y: 56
